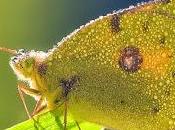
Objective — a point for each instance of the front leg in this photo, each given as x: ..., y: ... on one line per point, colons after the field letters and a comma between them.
x: 65, y: 115
x: 23, y: 88
x: 39, y: 106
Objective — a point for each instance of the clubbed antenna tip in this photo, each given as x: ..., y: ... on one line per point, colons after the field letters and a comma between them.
x: 7, y: 50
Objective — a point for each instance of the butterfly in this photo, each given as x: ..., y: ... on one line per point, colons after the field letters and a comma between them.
x: 117, y: 70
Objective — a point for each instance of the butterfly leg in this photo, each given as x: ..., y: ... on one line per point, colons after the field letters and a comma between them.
x: 39, y: 106
x: 65, y: 115
x: 78, y: 125
x: 24, y: 89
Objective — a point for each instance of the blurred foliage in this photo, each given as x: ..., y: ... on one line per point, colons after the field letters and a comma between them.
x: 53, y: 121
x: 39, y: 24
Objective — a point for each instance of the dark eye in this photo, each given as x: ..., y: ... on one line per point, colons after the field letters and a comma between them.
x: 22, y: 51
x: 14, y: 59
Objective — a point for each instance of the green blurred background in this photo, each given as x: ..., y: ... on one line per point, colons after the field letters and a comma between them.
x: 38, y: 25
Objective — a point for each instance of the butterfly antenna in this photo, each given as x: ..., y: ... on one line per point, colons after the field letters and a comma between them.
x: 7, y: 50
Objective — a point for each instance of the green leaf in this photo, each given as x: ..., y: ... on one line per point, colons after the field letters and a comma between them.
x: 52, y: 121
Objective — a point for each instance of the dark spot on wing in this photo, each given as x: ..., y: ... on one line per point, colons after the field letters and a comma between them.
x: 122, y: 102
x: 162, y: 40
x: 155, y: 109
x: 165, y: 13
x: 173, y: 74
x: 145, y: 26
x: 115, y: 23
x: 130, y: 59
x: 165, y: 1
x: 167, y: 92
x: 68, y: 84
x: 57, y: 101
x: 42, y: 69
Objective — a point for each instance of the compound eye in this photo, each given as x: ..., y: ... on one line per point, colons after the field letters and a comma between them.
x: 20, y: 55
x: 22, y: 51
x: 14, y: 59
x: 130, y: 59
